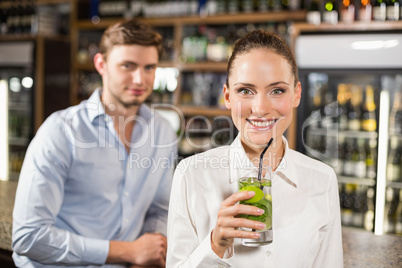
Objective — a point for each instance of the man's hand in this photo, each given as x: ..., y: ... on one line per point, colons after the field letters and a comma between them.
x: 147, y: 250
x: 227, y: 225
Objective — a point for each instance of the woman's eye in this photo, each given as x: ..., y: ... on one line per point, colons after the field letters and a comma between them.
x: 278, y: 91
x: 245, y: 91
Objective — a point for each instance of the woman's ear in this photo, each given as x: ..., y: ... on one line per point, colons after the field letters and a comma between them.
x: 226, y: 95
x: 99, y: 63
x: 297, y: 96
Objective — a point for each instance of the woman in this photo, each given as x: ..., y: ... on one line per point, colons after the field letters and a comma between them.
x: 203, y: 231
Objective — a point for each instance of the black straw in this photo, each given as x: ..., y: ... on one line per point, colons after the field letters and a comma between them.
x: 261, y: 158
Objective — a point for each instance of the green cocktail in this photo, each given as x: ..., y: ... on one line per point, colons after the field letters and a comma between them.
x: 263, y: 200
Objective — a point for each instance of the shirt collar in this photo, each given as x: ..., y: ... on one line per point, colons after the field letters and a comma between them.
x: 95, y: 107
x: 239, y: 160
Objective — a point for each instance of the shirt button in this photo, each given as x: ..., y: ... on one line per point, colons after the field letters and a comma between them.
x: 126, y: 193
x: 268, y: 253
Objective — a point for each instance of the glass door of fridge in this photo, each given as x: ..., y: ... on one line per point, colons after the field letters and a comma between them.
x: 389, y: 193
x: 339, y: 122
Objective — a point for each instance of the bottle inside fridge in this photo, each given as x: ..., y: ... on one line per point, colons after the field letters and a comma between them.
x: 16, y: 106
x: 350, y: 117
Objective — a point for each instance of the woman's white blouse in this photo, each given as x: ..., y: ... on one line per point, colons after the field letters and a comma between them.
x: 306, y: 212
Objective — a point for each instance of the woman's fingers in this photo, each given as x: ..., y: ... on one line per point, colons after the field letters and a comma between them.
x: 240, y: 209
x: 236, y: 197
x: 237, y: 233
x: 235, y: 223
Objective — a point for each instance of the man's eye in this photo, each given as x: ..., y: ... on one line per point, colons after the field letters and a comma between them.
x: 150, y: 68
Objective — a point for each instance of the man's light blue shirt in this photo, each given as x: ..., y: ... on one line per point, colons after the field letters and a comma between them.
x: 79, y: 188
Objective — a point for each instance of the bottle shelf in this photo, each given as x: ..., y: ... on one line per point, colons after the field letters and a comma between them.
x: 52, y: 2
x: 18, y: 141
x: 13, y: 176
x: 343, y: 133
x: 342, y: 27
x: 259, y: 17
x: 203, y: 111
x: 23, y: 107
x: 395, y: 184
x: 354, y: 180
x: 28, y: 37
x: 90, y: 67
x: 203, y: 66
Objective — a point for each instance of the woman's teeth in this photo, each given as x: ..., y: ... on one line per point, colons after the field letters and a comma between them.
x: 261, y: 124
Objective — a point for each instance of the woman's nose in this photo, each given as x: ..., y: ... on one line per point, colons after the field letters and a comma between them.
x: 261, y: 106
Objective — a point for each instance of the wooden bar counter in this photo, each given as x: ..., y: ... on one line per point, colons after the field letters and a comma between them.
x: 361, y: 249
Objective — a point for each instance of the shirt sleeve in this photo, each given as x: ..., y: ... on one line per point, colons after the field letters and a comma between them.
x: 184, y: 247
x: 39, y: 198
x: 331, y: 252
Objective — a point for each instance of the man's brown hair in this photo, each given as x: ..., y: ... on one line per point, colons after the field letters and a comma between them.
x: 130, y: 32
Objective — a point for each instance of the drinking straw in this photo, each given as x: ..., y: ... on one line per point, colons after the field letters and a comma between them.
x: 261, y: 158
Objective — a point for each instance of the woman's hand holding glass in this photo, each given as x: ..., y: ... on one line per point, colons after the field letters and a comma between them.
x: 227, y: 225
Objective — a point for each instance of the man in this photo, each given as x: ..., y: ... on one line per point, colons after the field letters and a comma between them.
x: 96, y: 178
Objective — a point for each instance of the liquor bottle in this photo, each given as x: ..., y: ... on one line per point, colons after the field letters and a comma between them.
x: 369, y: 121
x: 379, y: 10
x: 233, y: 6
x: 354, y: 112
x: 371, y: 158
x: 369, y: 210
x: 10, y: 19
x: 347, y: 11
x: 295, y: 4
x: 341, y: 111
x: 359, y: 159
x: 330, y: 14
x: 315, y: 116
x: 365, y: 10
x: 392, y: 10
x: 358, y: 206
x: 285, y: 4
x: 328, y: 109
x: 395, y: 118
x: 349, y: 164
x: 390, y: 211
x: 394, y: 165
x: 400, y: 8
x: 247, y: 6
x: 399, y: 215
x: 347, y: 204
x: 313, y: 15
x: 341, y: 156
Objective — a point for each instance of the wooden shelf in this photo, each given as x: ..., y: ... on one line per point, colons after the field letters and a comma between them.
x: 203, y: 111
x: 52, y: 2
x: 262, y: 17
x: 203, y: 66
x: 89, y: 67
x: 7, y: 3
x: 27, y: 37
x: 343, y: 27
x: 218, y: 19
x: 355, y: 180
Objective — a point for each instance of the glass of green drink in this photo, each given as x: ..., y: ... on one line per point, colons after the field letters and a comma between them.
x: 263, y: 200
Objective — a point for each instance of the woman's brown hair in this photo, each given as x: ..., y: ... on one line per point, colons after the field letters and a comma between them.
x: 264, y: 40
